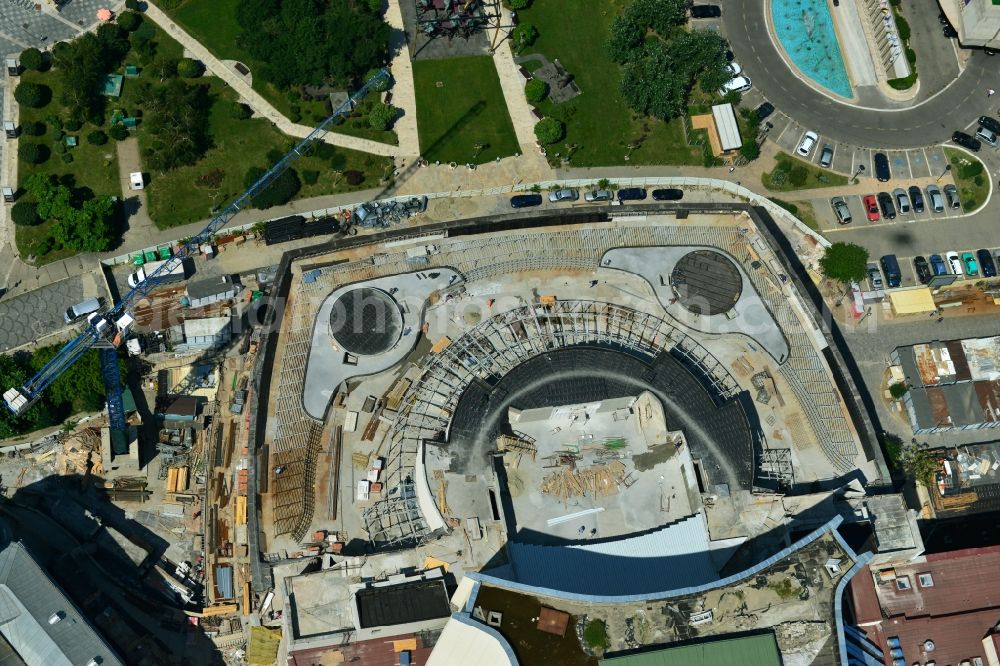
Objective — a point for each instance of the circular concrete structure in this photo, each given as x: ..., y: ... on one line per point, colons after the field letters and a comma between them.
x: 366, y: 321
x: 706, y: 282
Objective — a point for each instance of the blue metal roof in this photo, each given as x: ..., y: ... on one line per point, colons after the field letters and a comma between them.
x: 224, y: 581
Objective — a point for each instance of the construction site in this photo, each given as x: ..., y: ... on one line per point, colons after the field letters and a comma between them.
x: 553, y: 386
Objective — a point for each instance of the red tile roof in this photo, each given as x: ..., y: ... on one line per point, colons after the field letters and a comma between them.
x: 955, y: 613
x: 374, y: 652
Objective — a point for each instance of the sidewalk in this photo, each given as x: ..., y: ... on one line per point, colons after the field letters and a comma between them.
x: 403, y: 93
x: 256, y: 102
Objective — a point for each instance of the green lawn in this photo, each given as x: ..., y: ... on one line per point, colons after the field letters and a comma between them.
x: 970, y: 177
x: 213, y: 23
x: 599, y: 121
x: 791, y: 174
x: 465, y: 109
x: 177, y: 197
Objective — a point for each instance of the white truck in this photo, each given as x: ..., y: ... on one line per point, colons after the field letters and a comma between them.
x: 174, y: 275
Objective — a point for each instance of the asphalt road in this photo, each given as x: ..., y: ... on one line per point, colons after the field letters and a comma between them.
x: 931, y: 121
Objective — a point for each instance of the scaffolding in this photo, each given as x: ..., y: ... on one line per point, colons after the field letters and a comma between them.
x: 776, y: 465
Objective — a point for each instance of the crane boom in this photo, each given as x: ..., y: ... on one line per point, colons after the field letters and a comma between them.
x: 112, y: 324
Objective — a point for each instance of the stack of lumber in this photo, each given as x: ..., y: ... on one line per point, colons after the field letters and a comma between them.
x: 82, y: 452
x: 595, y: 481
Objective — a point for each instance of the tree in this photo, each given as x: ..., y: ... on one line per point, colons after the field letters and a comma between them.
x: 898, y: 390
x: 81, y: 66
x: 118, y: 132
x: 312, y: 42
x: 189, y: 68
x: 82, y: 221
x: 129, y: 21
x: 177, y: 124
x: 34, y: 128
x: 73, y: 125
x: 651, y: 85
x: 32, y: 59
x: 844, y: 262
x: 310, y: 177
x: 133, y: 5
x: 919, y: 465
x: 381, y: 116
x: 375, y: 5
x: 24, y: 213
x: 34, y: 95
x: 164, y: 68
x: 32, y: 153
x: 354, y: 178
x: 750, y: 149
x: 549, y: 130
x: 523, y: 36
x: 535, y: 90
x: 383, y: 83
x: 279, y: 191
x: 97, y: 138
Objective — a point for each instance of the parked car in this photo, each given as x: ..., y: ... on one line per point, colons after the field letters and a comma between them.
x: 881, y: 167
x: 734, y: 68
x: 736, y: 84
x: 902, y: 201
x: 525, y: 200
x: 706, y: 11
x: 916, y: 198
x: 954, y: 264
x: 808, y: 142
x: 951, y: 194
x: 764, y: 110
x: 871, y: 207
x: 875, y: 277
x: 987, y: 135
x: 950, y: 32
x: 565, y: 194
x: 969, y: 262
x: 935, y: 199
x: 668, y: 194
x: 966, y: 141
x: 938, y: 265
x: 840, y: 210
x: 923, y: 269
x: 986, y: 263
x: 631, y: 194
x: 990, y: 123
x: 890, y: 266
x: 885, y: 203
x: 599, y: 195
x: 826, y: 157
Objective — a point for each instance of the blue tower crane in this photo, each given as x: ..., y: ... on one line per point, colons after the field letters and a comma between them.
x: 106, y: 330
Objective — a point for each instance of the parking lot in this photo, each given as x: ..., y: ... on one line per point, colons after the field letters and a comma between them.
x: 908, y: 271
x: 828, y: 222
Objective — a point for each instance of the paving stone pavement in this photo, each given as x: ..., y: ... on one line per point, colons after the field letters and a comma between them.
x: 37, y: 313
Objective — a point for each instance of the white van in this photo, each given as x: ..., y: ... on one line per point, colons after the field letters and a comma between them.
x: 81, y: 310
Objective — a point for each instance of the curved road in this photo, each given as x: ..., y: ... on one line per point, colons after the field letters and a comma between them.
x: 930, y: 122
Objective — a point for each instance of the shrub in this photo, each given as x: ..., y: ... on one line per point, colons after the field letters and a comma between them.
x: 595, y: 633
x: 970, y: 170
x: 381, y: 116
x: 354, y: 178
x: 133, y: 5
x: 310, y: 177
x: 188, y: 68
x: 34, y: 95
x: 549, y: 130
x: 55, y: 121
x: 56, y: 134
x: 240, y: 111
x: 144, y: 33
x: 97, y: 138
x: 129, y: 21
x: 911, y: 56
x: 280, y: 191
x: 32, y: 59
x: 978, y: 180
x: 34, y: 128
x: 32, y: 153
x: 118, y: 132
x: 73, y: 125
x: 517, y: 4
x: 903, y: 28
x: 535, y: 90
x: 898, y: 390
x: 294, y: 113
x: 798, y: 175
x: 382, y: 85
x: 24, y: 213
x: 523, y: 36
x: 750, y: 149
x: 66, y: 157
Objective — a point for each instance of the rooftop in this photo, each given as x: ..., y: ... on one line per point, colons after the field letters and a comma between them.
x: 383, y: 606
x: 756, y: 650
x: 210, y: 287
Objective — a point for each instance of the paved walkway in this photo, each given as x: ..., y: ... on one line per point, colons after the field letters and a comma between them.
x: 512, y: 84
x: 403, y: 93
x: 139, y: 226
x: 256, y: 102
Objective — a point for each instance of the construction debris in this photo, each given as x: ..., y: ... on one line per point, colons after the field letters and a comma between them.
x: 595, y: 481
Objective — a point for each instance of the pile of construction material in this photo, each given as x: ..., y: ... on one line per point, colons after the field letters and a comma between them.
x: 81, y: 453
x: 594, y: 481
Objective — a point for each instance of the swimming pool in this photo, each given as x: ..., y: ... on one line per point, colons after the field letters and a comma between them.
x: 805, y: 29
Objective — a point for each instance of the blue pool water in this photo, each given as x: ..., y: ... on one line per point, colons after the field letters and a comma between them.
x: 805, y: 29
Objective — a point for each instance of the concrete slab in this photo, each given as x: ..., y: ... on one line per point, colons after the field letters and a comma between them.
x: 748, y: 317
x: 328, y: 365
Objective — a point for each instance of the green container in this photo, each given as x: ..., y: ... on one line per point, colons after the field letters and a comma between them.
x: 138, y: 260
x: 150, y: 255
x: 164, y: 252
